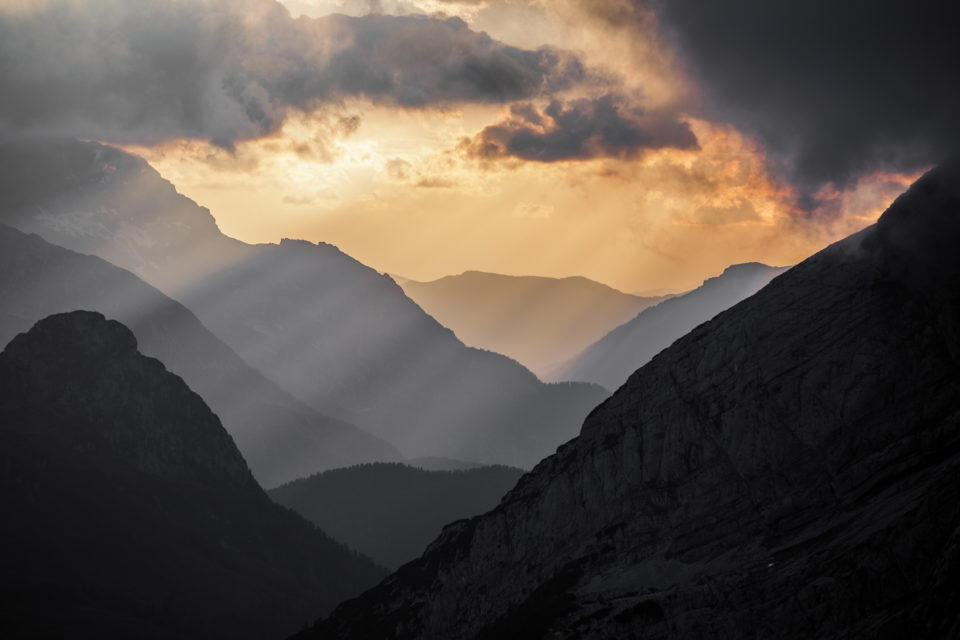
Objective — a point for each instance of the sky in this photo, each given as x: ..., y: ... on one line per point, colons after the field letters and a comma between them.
x: 646, y: 144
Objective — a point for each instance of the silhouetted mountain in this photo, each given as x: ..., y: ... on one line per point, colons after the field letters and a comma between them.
x: 390, y: 512
x: 433, y: 463
x: 128, y: 511
x: 327, y: 329
x: 541, y: 322
x: 281, y: 437
x: 790, y: 469
x: 611, y: 359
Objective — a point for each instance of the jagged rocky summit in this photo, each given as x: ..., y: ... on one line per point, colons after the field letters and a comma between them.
x: 790, y: 469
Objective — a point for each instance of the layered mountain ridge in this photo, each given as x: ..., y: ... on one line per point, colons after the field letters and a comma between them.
x: 612, y: 358
x: 281, y: 438
x: 128, y: 510
x: 541, y: 322
x: 789, y: 469
x: 337, y: 335
x: 391, y: 511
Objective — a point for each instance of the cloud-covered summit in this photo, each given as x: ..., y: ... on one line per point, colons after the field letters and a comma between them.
x: 230, y: 70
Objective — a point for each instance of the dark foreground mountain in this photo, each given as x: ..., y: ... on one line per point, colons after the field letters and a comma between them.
x: 331, y: 331
x: 614, y: 357
x: 541, y: 322
x: 390, y: 512
x: 280, y: 437
x: 790, y: 469
x: 128, y: 511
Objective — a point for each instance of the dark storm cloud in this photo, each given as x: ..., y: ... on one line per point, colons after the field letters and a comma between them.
x: 578, y: 130
x: 228, y: 70
x: 834, y: 89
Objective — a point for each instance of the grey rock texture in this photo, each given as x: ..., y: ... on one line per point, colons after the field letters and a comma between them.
x: 281, y: 438
x: 128, y: 511
x: 790, y: 469
x: 610, y: 360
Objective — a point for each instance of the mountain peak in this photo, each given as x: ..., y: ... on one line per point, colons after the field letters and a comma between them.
x: 75, y: 334
x: 915, y: 240
x: 94, y: 386
x: 746, y: 268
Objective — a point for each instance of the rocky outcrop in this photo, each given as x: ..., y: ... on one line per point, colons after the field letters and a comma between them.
x: 128, y: 510
x: 280, y: 437
x: 612, y: 358
x: 790, y: 469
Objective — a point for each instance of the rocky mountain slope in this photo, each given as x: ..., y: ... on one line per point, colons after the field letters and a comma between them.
x: 790, y: 469
x: 540, y: 322
x: 331, y: 331
x: 280, y: 437
x: 128, y: 511
x: 615, y: 356
x: 390, y: 512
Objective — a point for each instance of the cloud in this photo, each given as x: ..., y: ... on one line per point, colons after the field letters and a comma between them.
x: 231, y: 70
x: 606, y: 126
x: 740, y: 211
x: 834, y: 89
x: 534, y: 210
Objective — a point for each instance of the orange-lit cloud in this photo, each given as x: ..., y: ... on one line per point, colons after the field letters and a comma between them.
x: 456, y: 149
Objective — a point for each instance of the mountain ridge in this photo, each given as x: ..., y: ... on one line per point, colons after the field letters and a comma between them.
x: 609, y: 360
x: 390, y: 511
x: 788, y: 469
x: 280, y: 437
x: 539, y: 321
x: 337, y: 335
x: 129, y: 511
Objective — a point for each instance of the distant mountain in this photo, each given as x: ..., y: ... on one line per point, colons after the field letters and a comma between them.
x: 390, y: 512
x: 128, y: 511
x: 541, y: 322
x: 441, y: 464
x: 790, y: 469
x: 281, y: 437
x: 611, y: 359
x: 331, y: 331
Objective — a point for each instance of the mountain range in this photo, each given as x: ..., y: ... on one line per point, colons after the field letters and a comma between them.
x: 540, y: 322
x: 128, y: 510
x: 629, y: 346
x: 789, y: 469
x: 328, y: 330
x: 391, y: 511
x: 281, y: 437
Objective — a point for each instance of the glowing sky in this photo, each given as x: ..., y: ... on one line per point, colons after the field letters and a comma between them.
x: 580, y: 144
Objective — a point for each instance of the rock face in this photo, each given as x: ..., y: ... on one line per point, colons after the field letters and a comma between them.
x: 612, y: 358
x: 280, y: 437
x: 128, y: 510
x: 540, y: 322
x: 790, y: 469
x: 390, y: 512
x: 332, y: 332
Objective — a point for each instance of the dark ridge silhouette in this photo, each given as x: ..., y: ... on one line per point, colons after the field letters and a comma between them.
x: 432, y: 463
x: 281, y: 437
x: 334, y: 333
x: 611, y: 359
x: 128, y: 511
x: 541, y: 322
x: 390, y: 512
x: 790, y: 469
